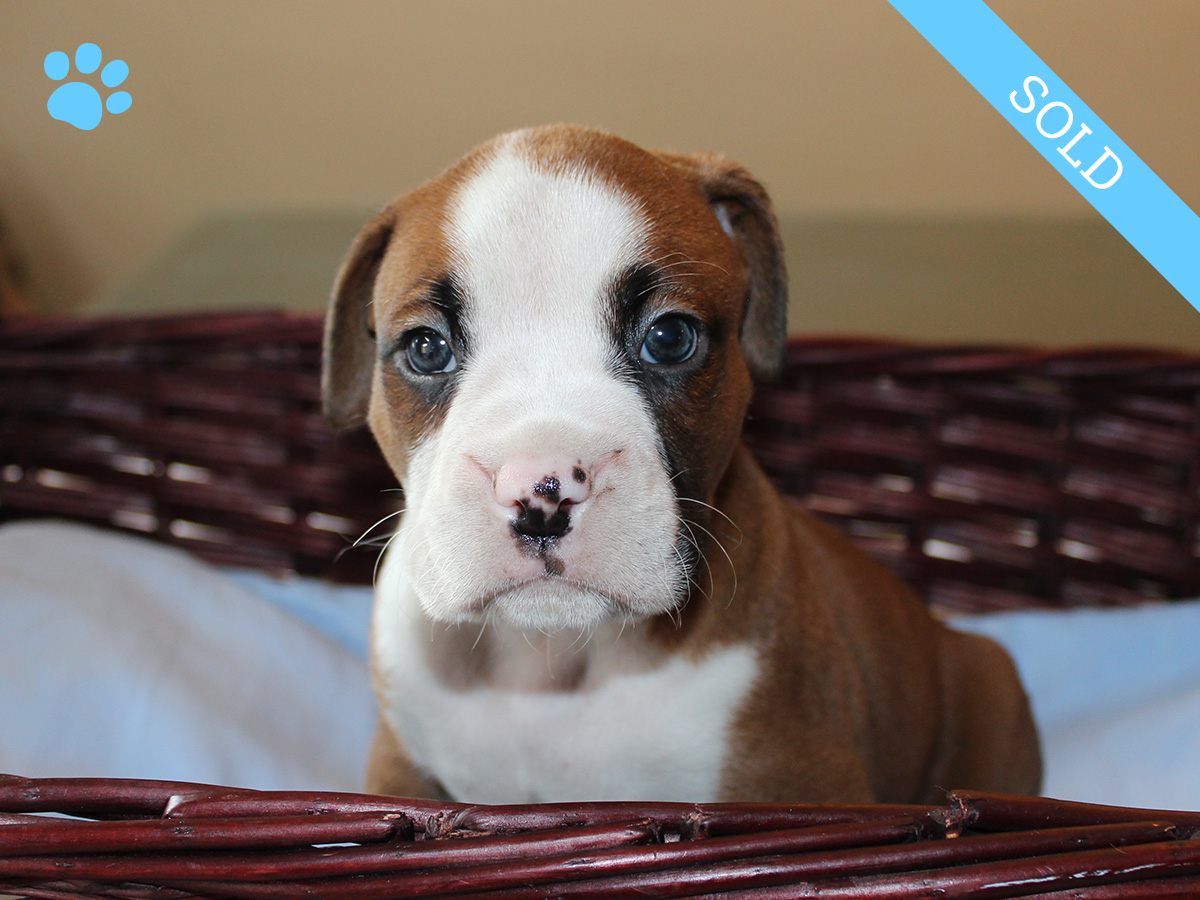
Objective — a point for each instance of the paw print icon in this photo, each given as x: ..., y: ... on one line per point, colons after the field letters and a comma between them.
x: 77, y: 102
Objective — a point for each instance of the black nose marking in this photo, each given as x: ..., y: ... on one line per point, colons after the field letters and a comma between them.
x: 548, y: 489
x: 532, y: 524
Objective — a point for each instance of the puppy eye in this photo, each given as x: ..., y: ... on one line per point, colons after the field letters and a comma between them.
x: 429, y: 353
x: 671, y: 340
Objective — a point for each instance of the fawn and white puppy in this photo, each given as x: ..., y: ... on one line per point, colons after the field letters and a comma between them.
x: 594, y: 592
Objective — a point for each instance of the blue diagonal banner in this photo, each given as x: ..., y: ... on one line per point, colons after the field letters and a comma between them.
x: 1066, y: 132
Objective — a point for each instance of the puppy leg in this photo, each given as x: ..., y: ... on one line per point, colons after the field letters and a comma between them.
x: 392, y: 774
x: 788, y: 765
x: 989, y: 740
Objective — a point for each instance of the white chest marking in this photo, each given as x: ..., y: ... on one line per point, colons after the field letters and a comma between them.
x: 656, y: 734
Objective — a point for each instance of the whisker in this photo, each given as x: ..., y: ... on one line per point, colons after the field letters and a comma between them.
x: 669, y: 265
x: 666, y: 256
x: 720, y: 512
x: 702, y: 262
x: 482, y: 628
x: 379, y: 559
x: 692, y: 539
x: 584, y: 635
x: 363, y: 538
x: 678, y: 474
x: 728, y: 558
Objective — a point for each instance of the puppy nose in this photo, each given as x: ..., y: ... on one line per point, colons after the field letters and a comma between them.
x: 539, y: 495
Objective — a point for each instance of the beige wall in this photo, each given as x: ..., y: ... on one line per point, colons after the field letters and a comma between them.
x: 837, y: 105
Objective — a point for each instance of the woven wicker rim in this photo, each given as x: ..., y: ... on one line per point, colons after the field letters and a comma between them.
x: 138, y: 839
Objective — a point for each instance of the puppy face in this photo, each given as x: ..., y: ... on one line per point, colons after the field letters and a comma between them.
x: 553, y: 345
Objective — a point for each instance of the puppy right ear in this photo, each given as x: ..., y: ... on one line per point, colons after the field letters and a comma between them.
x: 348, y: 360
x: 744, y: 211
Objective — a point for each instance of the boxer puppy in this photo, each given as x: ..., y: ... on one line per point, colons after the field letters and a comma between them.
x: 594, y: 592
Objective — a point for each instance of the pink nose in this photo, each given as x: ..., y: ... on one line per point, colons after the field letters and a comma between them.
x: 539, y: 494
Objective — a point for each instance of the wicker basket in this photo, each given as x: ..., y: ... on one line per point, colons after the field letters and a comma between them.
x: 992, y: 477
x: 140, y: 840
x: 203, y: 432
x: 989, y: 477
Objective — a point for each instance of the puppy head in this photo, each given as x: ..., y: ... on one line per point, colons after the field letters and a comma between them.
x: 553, y: 343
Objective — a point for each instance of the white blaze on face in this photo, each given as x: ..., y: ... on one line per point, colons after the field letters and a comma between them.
x: 535, y: 254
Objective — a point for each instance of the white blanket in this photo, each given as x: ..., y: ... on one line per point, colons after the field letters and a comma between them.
x: 120, y: 657
x: 124, y: 658
x: 1116, y: 694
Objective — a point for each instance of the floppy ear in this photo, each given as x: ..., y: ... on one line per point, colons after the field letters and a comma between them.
x: 744, y: 210
x: 348, y: 361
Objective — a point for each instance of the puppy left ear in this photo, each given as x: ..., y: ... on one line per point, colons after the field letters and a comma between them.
x: 348, y: 359
x: 744, y: 210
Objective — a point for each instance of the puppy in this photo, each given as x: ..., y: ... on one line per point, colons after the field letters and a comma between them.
x: 594, y: 592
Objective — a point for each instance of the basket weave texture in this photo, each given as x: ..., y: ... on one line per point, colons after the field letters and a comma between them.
x: 200, y: 431
x: 139, y: 840
x: 989, y: 477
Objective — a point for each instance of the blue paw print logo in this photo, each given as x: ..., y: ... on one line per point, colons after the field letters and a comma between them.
x: 77, y: 102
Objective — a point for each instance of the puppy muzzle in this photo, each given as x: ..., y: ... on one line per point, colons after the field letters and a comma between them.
x: 551, y: 521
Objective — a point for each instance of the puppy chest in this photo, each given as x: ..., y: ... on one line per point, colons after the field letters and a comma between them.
x: 656, y: 735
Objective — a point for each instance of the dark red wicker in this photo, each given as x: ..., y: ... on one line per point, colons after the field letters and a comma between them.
x: 133, y: 839
x: 989, y: 477
x: 997, y: 477
x: 204, y: 432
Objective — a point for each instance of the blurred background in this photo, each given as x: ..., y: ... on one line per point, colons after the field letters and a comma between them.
x: 262, y: 132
